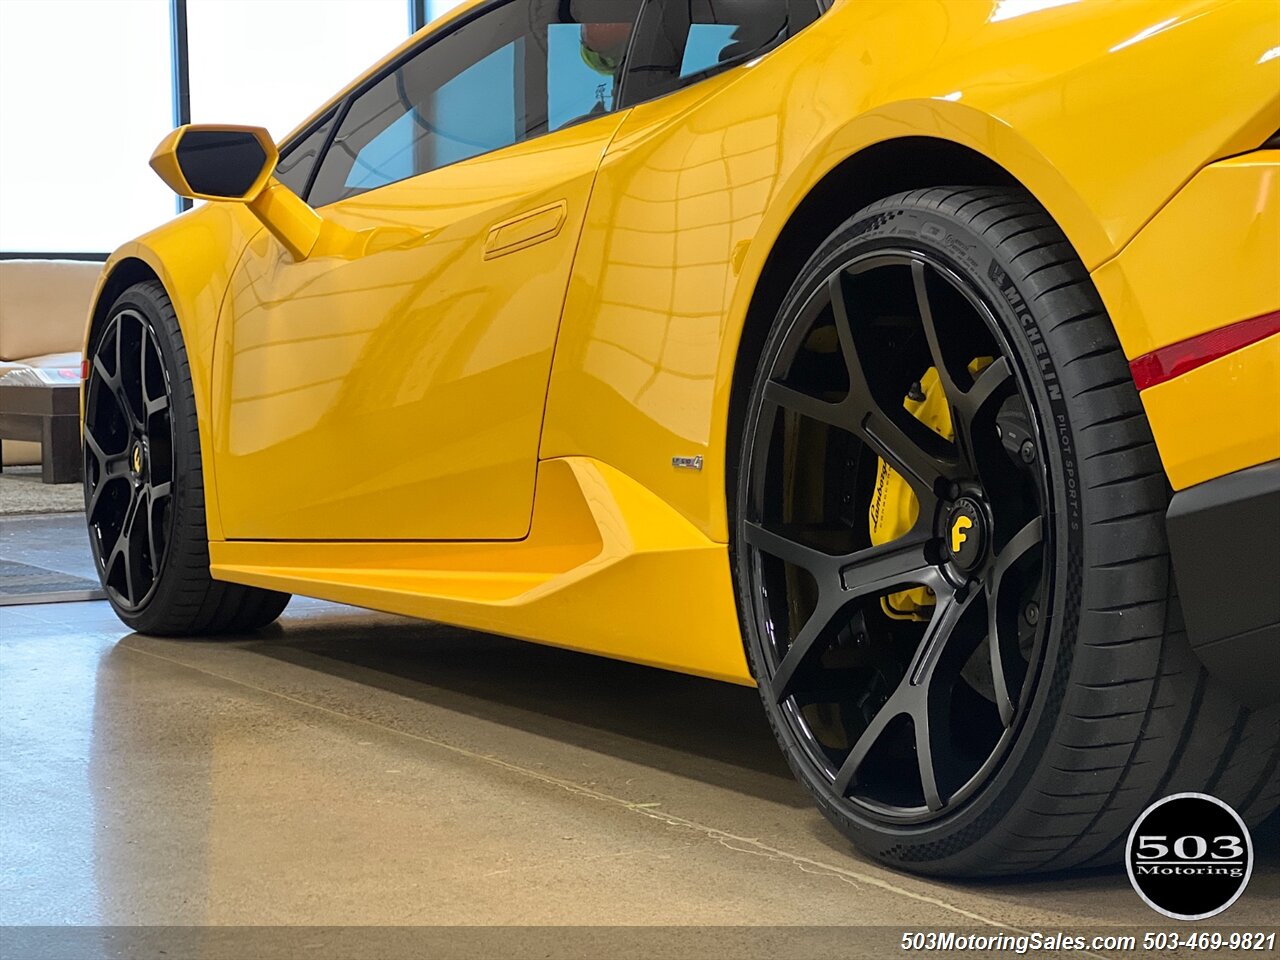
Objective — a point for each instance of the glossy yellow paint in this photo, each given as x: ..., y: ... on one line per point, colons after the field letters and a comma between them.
x: 386, y: 387
x: 1220, y: 417
x: 279, y: 209
x: 291, y: 221
x: 603, y: 558
x: 192, y: 256
x: 408, y: 372
x: 697, y: 187
x: 1209, y: 259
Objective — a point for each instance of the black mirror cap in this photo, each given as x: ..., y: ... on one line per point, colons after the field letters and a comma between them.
x: 221, y: 163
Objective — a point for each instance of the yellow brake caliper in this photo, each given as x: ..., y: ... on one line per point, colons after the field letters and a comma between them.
x: 894, y: 506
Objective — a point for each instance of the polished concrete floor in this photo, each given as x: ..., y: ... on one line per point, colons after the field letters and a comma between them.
x: 350, y: 768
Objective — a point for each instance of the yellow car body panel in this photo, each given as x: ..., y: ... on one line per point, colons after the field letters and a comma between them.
x: 603, y: 561
x: 406, y: 365
x: 1219, y: 239
x: 1210, y: 258
x: 1218, y: 418
x: 192, y: 257
x: 673, y: 209
x: 697, y: 187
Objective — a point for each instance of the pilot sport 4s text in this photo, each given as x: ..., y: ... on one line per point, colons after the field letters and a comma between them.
x: 917, y: 363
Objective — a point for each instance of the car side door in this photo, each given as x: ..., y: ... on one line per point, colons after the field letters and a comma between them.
x: 391, y: 385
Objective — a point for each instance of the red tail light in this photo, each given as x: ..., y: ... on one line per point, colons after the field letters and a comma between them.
x: 1178, y: 358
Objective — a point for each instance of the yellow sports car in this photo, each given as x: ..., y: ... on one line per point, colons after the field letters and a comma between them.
x: 914, y: 361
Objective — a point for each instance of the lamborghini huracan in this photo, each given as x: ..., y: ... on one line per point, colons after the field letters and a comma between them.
x: 916, y: 362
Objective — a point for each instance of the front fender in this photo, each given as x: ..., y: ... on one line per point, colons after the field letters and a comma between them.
x: 193, y: 257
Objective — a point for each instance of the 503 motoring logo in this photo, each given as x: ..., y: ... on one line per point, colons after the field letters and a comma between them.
x: 1189, y: 856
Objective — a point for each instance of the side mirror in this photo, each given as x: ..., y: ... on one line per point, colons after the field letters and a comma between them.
x: 208, y: 162
x: 216, y: 163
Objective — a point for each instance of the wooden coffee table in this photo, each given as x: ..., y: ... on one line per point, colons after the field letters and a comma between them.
x: 48, y: 413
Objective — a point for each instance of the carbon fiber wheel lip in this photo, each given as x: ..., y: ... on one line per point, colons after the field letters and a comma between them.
x: 964, y: 575
x: 129, y: 471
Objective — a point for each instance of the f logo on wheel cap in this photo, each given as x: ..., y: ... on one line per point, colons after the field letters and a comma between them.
x: 137, y: 458
x: 966, y: 533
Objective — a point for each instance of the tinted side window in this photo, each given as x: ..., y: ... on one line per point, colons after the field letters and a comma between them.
x: 297, y: 162
x: 681, y: 41
x: 518, y: 71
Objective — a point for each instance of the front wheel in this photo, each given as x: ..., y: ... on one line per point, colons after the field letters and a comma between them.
x: 144, y: 482
x: 950, y: 555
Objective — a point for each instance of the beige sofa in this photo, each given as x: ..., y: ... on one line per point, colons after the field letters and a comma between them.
x: 44, y: 305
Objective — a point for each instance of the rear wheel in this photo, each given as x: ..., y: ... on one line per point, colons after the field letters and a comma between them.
x: 143, y: 480
x: 950, y: 556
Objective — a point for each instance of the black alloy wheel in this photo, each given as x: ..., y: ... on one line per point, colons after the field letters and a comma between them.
x: 144, y: 479
x: 904, y: 718
x: 129, y: 461
x: 950, y: 558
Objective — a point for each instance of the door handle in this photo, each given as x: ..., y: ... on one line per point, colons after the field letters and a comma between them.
x: 525, y: 230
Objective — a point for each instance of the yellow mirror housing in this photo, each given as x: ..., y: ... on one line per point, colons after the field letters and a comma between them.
x: 208, y: 162
x: 235, y: 163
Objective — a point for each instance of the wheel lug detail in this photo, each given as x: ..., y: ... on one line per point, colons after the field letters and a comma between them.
x: 1027, y: 452
x: 1032, y: 613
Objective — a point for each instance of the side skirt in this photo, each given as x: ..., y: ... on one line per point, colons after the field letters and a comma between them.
x: 608, y: 568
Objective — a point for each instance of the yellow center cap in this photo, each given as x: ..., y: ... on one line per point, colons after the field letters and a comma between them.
x: 966, y: 533
x: 137, y: 458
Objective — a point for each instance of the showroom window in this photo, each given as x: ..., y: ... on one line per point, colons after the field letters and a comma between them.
x: 429, y: 10
x: 101, y: 106
x: 130, y: 74
x: 515, y: 72
x: 258, y: 62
